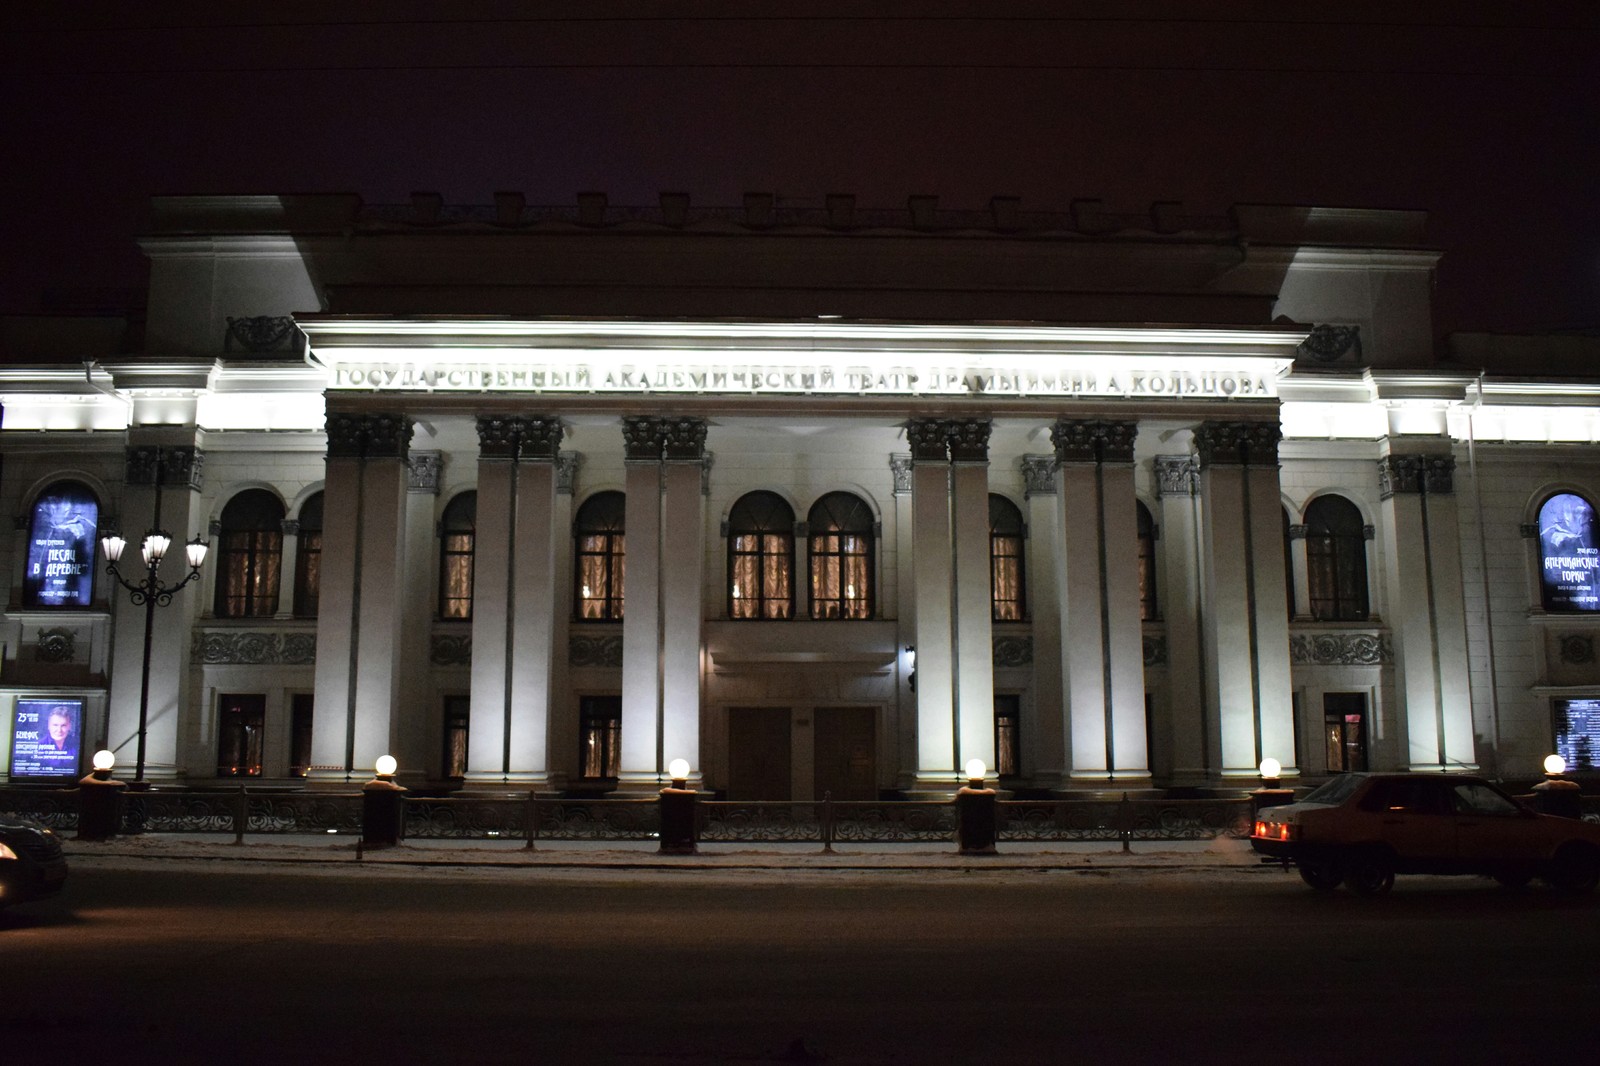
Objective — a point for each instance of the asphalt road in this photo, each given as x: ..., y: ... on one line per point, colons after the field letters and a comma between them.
x: 219, y: 963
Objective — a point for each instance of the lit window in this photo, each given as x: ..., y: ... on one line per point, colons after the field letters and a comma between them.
x: 1336, y: 560
x: 600, y: 736
x: 300, y: 717
x: 61, y: 547
x: 457, y: 719
x: 841, y: 532
x: 241, y: 722
x: 1149, y: 609
x: 600, y: 552
x: 249, y: 555
x: 308, y: 559
x: 761, y: 557
x: 1007, y: 735
x: 1005, y: 560
x: 1569, y: 562
x: 457, y: 533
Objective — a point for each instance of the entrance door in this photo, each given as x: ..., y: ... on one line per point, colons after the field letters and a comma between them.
x: 845, y: 762
x: 759, y: 761
x: 1344, y: 724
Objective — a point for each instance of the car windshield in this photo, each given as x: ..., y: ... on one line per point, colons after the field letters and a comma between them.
x: 1336, y: 791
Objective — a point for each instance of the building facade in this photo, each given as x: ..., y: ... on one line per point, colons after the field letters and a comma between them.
x: 824, y: 501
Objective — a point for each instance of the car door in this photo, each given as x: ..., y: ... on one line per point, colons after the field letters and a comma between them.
x: 1493, y: 831
x: 1417, y: 823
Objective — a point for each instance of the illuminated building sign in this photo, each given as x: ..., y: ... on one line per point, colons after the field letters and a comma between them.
x: 46, y: 738
x: 1569, y: 558
x: 1578, y: 733
x: 61, y: 546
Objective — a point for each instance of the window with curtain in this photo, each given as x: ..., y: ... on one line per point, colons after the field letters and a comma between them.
x: 1149, y: 607
x: 600, y: 557
x: 841, y: 557
x: 1336, y: 560
x: 308, y: 559
x: 761, y: 557
x: 457, y: 535
x: 249, y: 555
x: 600, y: 736
x: 1005, y: 560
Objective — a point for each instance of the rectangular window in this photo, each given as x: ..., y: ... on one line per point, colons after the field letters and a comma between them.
x: 600, y: 736
x: 1007, y: 735
x: 1005, y: 561
x: 241, y: 723
x: 457, y: 715
x: 841, y: 576
x: 300, y: 734
x: 455, y: 583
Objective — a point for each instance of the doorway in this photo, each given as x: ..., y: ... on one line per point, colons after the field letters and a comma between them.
x: 844, y: 762
x: 1344, y: 727
x: 760, y: 765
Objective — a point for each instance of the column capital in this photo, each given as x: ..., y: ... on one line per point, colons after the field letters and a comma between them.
x: 1297, y: 532
x: 170, y: 466
x: 969, y: 440
x: 567, y: 464
x: 539, y: 438
x: 388, y: 436
x: 1038, y: 476
x: 929, y: 439
x: 641, y: 439
x: 1176, y: 475
x: 1089, y: 440
x: 425, y: 470
x: 1413, y: 474
x: 347, y: 435
x: 683, y: 439
x: 497, y: 437
x: 1237, y: 443
x: 900, y: 469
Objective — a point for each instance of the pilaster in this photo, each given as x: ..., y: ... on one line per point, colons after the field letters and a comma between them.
x: 932, y: 565
x: 642, y: 758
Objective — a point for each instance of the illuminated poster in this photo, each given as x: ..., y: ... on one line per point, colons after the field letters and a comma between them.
x: 1569, y: 558
x: 46, y: 738
x: 61, y: 543
x: 1578, y: 733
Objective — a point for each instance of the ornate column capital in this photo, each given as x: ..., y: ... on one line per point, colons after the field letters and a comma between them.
x: 1411, y: 474
x: 1038, y: 476
x: 1177, y: 475
x: 969, y: 440
x: 539, y: 437
x: 1237, y: 443
x: 347, y: 435
x: 1084, y: 440
x: 497, y: 437
x: 900, y: 469
x: 641, y: 439
x: 425, y: 470
x: 170, y: 466
x: 388, y: 436
x: 929, y: 439
x: 567, y: 464
x: 1297, y: 532
x: 683, y: 439
x: 290, y: 527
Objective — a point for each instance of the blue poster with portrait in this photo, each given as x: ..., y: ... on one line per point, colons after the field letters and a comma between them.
x: 1568, y: 556
x: 46, y: 739
x: 61, y: 545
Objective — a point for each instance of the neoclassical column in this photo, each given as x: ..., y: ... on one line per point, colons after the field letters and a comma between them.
x: 1043, y: 730
x: 418, y: 744
x: 933, y: 569
x: 1194, y: 747
x: 359, y: 646
x: 488, y: 738
x: 563, y: 755
x: 906, y: 632
x: 1300, y: 567
x: 1246, y: 618
x: 1098, y: 585
x: 1427, y: 614
x: 163, y: 482
x: 974, y: 611
x: 642, y: 759
x: 286, y: 568
x: 682, y: 557
x: 534, y: 599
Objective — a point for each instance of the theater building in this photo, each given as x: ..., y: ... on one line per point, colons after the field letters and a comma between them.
x: 823, y: 500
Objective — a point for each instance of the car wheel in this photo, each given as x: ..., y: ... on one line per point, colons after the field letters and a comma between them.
x: 1369, y: 874
x: 1575, y: 871
x: 1513, y: 879
x: 1323, y: 875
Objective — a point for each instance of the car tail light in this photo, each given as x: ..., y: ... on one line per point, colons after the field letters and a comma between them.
x: 1274, y: 831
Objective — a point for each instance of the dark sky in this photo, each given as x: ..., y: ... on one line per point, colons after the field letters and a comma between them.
x: 1484, y: 114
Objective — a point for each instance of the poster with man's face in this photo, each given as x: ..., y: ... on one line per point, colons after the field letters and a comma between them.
x: 46, y: 738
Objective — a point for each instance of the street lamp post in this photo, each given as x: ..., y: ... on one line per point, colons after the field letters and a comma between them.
x: 150, y: 593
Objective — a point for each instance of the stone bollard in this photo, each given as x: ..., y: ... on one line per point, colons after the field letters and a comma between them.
x: 99, y: 806
x: 976, y: 820
x: 382, y: 808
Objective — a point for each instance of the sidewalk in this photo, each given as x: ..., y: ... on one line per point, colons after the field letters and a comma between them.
x: 1221, y: 854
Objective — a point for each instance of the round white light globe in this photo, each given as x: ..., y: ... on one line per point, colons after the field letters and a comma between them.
x: 1555, y: 764
x: 1271, y: 768
x: 386, y: 766
x: 976, y: 769
x: 678, y: 768
x: 104, y: 760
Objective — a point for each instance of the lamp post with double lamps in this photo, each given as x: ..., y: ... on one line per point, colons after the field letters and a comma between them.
x: 150, y: 593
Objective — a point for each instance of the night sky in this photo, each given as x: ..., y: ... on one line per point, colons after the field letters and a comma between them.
x: 1484, y: 114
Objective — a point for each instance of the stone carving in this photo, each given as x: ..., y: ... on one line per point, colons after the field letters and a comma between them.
x: 1013, y: 651
x: 56, y: 646
x: 683, y: 439
x: 1341, y: 649
x: 1329, y: 344
x: 425, y: 470
x: 567, y: 464
x: 174, y: 467
x: 969, y: 440
x: 1432, y: 474
x: 1576, y: 649
x: 290, y: 527
x: 1155, y: 649
x: 380, y: 436
x: 497, y: 438
x: 584, y: 649
x: 347, y: 435
x: 929, y: 439
x: 1080, y: 440
x: 450, y: 649
x: 1297, y: 532
x: 1177, y: 475
x: 1237, y: 443
x: 1038, y: 476
x: 254, y: 648
x: 541, y: 438
x: 641, y: 438
x: 261, y: 333
x: 900, y: 468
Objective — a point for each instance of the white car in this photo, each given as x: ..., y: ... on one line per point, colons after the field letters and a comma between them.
x: 31, y: 864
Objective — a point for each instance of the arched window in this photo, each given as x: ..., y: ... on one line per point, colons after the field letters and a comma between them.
x: 458, y: 530
x: 761, y: 557
x: 1005, y: 560
x: 599, y: 547
x: 308, y: 559
x: 61, y: 545
x: 249, y: 554
x: 1149, y: 608
x: 1336, y: 560
x: 841, y: 534
x: 1568, y: 557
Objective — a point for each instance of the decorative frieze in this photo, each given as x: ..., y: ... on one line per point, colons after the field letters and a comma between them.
x: 1329, y: 344
x: 426, y: 468
x: 900, y: 469
x: 254, y: 648
x: 1013, y: 651
x: 261, y: 333
x: 588, y: 649
x: 1412, y: 474
x: 1341, y: 649
x: 1038, y: 476
x: 1177, y: 475
x: 1080, y: 440
x: 1237, y: 443
x: 56, y: 645
x: 450, y: 649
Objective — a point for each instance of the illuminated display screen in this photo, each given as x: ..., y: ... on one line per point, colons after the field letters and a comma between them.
x: 46, y: 738
x: 1568, y: 556
x: 61, y: 543
x: 1578, y: 733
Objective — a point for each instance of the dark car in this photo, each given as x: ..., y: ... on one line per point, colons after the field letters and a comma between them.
x: 31, y: 864
x: 1362, y: 829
